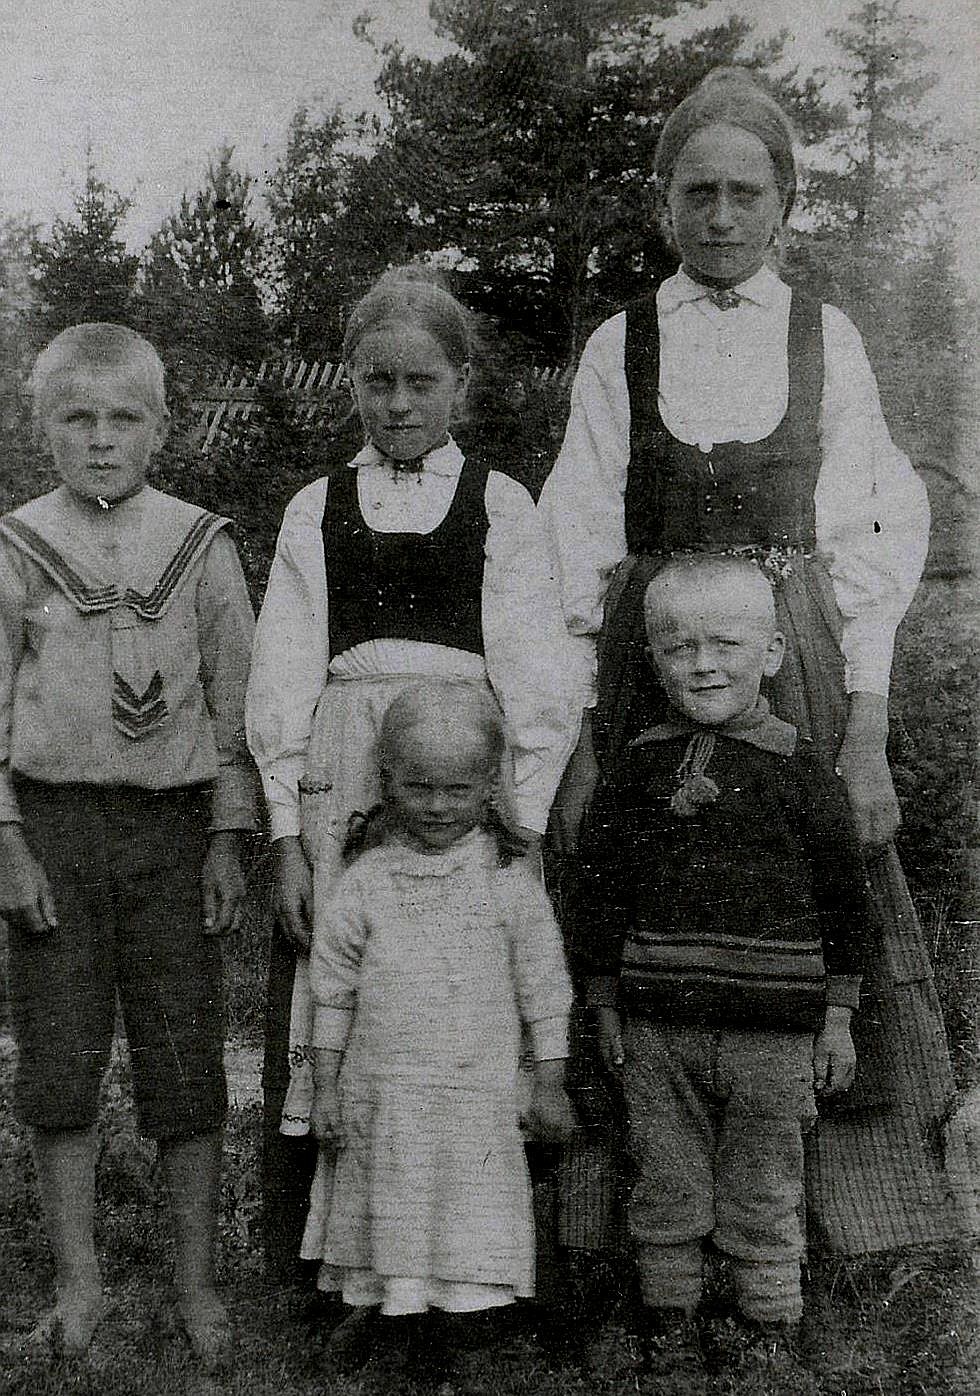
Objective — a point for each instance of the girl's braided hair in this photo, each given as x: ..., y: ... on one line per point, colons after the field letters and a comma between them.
x: 371, y: 830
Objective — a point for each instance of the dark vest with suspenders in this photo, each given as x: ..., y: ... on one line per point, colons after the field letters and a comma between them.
x: 739, y: 493
x: 406, y: 586
x: 755, y: 495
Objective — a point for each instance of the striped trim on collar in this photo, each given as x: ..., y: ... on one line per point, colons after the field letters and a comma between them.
x: 89, y: 598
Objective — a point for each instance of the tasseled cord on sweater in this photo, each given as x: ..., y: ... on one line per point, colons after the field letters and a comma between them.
x: 695, y: 789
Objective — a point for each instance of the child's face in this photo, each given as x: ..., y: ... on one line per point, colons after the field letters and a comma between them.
x: 724, y: 203
x: 438, y: 786
x: 712, y: 646
x: 406, y: 389
x: 102, y: 434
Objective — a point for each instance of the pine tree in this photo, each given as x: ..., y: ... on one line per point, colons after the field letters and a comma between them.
x: 525, y: 157
x: 883, y: 191
x: 201, y: 272
x: 82, y: 269
x: 17, y: 235
x: 874, y: 192
x: 16, y: 303
x: 320, y: 260
x: 880, y: 246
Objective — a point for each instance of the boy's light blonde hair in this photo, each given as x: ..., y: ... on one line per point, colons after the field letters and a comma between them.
x: 97, y: 347
x: 731, y: 575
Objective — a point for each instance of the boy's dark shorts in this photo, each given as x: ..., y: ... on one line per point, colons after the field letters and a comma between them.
x: 125, y: 871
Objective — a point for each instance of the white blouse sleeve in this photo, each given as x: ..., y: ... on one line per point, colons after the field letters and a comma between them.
x: 335, y: 962
x: 582, y: 499
x: 526, y: 648
x: 289, y: 659
x: 541, y: 979
x: 871, y: 509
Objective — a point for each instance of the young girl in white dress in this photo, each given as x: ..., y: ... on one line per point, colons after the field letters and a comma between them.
x: 435, y: 951
x: 408, y: 562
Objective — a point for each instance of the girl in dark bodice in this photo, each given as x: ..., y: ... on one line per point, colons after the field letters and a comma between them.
x: 409, y: 562
x: 727, y: 412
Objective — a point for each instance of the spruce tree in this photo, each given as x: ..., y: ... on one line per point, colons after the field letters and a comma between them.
x: 82, y: 270
x: 201, y: 276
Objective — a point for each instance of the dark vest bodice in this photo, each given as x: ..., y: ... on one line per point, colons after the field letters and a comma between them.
x: 739, y: 493
x: 406, y: 586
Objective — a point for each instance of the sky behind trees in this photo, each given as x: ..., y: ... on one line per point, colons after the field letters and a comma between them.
x: 155, y: 88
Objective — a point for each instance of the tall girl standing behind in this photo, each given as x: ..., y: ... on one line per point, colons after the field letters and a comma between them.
x: 728, y: 412
x: 409, y: 563
x: 432, y: 953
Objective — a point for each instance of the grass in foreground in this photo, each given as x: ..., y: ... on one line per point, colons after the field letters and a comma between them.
x: 905, y: 1328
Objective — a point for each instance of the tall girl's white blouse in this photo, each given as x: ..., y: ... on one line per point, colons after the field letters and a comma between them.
x: 724, y: 377
x: 526, y: 645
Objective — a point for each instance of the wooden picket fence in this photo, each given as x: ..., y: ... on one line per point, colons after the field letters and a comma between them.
x: 231, y: 402
x: 229, y: 405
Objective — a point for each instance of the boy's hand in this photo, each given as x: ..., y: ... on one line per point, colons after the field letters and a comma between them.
x: 25, y: 896
x: 610, y: 1035
x: 223, y: 884
x: 325, y: 1115
x: 551, y: 1115
x: 834, y: 1057
x: 292, y: 900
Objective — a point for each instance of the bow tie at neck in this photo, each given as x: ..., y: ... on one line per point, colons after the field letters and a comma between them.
x: 413, y: 466
x: 695, y: 789
x: 723, y: 297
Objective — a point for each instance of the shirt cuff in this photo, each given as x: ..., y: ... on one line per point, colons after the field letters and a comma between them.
x: 284, y: 822
x: 530, y: 813
x: 536, y: 780
x: 581, y: 679
x: 843, y: 990
x: 867, y: 654
x: 602, y: 991
x: 331, y: 1027
x: 549, y: 1038
x: 234, y: 799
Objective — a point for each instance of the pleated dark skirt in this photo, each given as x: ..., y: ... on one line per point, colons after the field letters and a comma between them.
x: 888, y: 1167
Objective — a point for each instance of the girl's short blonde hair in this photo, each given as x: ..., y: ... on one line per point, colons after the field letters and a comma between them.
x: 97, y: 347
x: 454, y: 703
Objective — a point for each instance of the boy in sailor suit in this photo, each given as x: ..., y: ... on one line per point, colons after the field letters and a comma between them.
x: 125, y: 789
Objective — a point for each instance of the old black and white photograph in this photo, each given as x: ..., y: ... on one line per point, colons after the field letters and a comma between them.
x: 489, y: 631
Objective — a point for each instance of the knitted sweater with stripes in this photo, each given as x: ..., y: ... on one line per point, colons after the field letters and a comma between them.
x: 749, y: 910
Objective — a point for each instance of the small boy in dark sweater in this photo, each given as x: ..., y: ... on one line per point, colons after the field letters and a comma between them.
x: 720, y: 931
